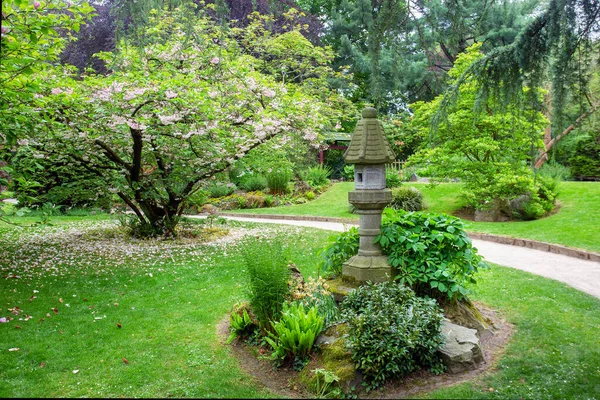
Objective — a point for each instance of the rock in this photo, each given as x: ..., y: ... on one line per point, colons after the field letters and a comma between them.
x: 334, y: 357
x: 414, y: 177
x: 340, y: 287
x: 208, y: 209
x: 490, y: 216
x: 464, y: 313
x: 461, y: 350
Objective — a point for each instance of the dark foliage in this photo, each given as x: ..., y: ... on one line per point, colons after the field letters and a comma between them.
x: 94, y: 37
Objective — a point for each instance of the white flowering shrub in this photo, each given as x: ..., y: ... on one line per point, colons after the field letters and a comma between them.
x: 185, y: 107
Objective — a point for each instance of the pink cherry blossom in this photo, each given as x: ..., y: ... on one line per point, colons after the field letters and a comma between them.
x: 36, y: 4
x: 268, y: 93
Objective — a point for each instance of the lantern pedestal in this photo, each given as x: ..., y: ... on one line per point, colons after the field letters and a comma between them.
x: 369, y: 151
x: 370, y: 264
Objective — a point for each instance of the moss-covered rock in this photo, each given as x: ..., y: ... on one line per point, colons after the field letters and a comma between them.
x: 340, y: 287
x: 464, y: 313
x: 334, y: 357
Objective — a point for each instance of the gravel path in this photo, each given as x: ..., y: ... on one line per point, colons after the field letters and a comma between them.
x: 583, y: 275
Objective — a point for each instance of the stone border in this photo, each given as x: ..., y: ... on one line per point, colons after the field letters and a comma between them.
x: 291, y: 217
x: 531, y: 244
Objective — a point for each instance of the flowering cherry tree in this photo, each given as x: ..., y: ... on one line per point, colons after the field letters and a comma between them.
x: 173, y: 114
x: 30, y: 43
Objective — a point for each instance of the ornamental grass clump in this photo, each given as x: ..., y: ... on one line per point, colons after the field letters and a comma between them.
x: 254, y: 183
x: 268, y: 272
x: 407, y: 198
x: 316, y: 177
x: 278, y: 180
x: 392, y: 332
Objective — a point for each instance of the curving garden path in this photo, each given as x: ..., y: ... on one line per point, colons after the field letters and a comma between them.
x: 581, y: 274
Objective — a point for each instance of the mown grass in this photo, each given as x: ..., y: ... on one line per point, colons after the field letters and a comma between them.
x: 555, y: 351
x: 574, y: 224
x: 168, y: 297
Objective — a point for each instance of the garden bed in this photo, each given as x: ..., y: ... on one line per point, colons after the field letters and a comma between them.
x: 286, y: 382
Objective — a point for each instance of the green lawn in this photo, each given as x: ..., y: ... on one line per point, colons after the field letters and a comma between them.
x: 168, y: 297
x: 574, y: 225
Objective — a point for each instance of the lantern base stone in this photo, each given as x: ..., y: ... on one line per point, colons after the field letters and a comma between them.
x: 368, y: 268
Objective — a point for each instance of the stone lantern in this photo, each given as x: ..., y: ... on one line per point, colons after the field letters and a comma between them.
x: 369, y: 151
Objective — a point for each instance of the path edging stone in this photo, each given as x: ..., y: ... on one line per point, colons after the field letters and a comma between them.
x: 531, y: 244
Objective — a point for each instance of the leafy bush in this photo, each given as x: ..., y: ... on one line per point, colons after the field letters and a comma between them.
x: 240, y: 324
x: 269, y: 201
x: 278, y: 180
x: 340, y: 248
x: 267, y: 266
x: 431, y: 253
x: 316, y: 176
x: 221, y: 189
x: 238, y: 173
x: 348, y: 172
x: 198, y: 198
x: 392, y: 179
x: 310, y: 195
x: 554, y: 170
x: 407, y: 198
x: 392, y: 332
x: 538, y: 203
x: 586, y: 162
x: 295, y: 333
x: 253, y: 183
x: 40, y: 180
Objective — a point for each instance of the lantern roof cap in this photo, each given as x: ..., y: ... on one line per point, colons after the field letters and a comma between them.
x: 369, y: 144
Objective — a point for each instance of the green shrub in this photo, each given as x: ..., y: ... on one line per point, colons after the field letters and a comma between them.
x: 540, y: 202
x: 586, y: 162
x: 53, y: 180
x: 316, y: 176
x: 198, y: 198
x: 253, y: 183
x: 238, y: 174
x: 430, y: 252
x: 267, y: 266
x: 295, y: 333
x: 269, y: 201
x: 554, y: 170
x: 310, y: 195
x: 278, y: 180
x: 392, y: 332
x: 340, y: 248
x: 240, y: 324
x: 348, y: 172
x: 392, y: 179
x: 221, y: 189
x: 407, y: 198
